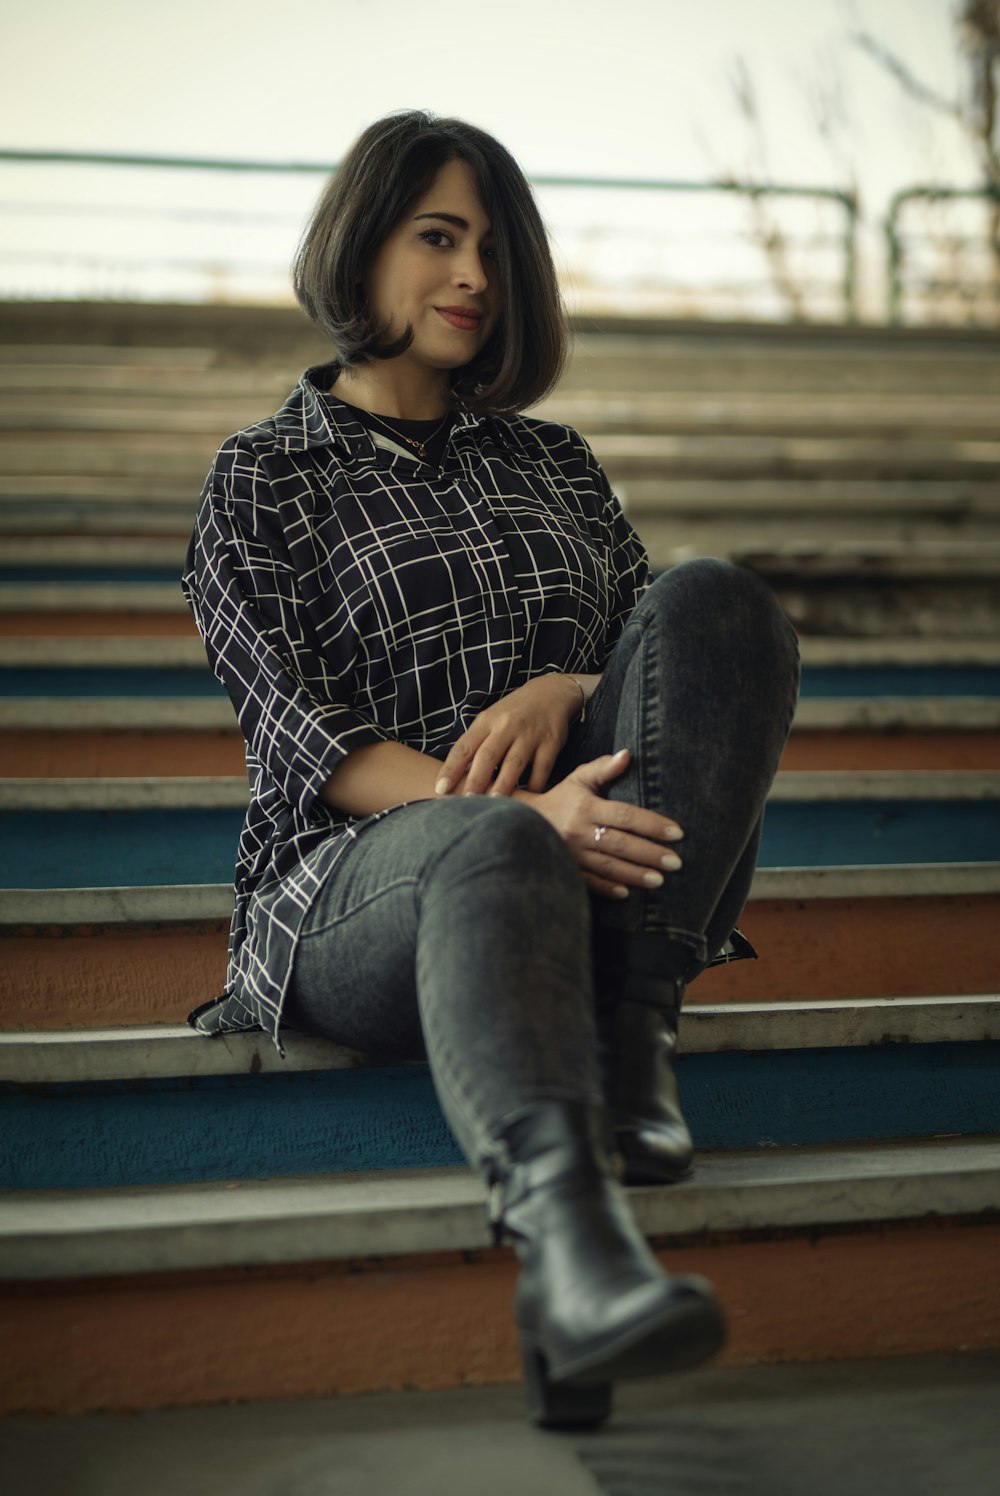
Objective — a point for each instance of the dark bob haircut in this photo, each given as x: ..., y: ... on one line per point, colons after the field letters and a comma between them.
x: 384, y: 174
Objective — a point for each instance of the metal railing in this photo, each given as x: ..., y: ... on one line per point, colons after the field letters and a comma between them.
x: 896, y: 256
x: 767, y: 236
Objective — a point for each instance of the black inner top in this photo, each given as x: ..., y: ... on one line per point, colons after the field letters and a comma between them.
x: 395, y: 428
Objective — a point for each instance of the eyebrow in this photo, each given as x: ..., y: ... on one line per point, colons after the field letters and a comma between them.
x: 451, y: 218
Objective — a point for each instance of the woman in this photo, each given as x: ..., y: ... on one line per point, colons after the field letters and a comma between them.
x: 506, y: 793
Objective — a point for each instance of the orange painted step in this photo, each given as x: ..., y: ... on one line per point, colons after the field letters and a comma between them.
x: 129, y: 753
x: 892, y: 750
x: 444, y: 1320
x: 127, y: 625
x: 110, y: 978
x: 891, y: 947
x: 825, y: 948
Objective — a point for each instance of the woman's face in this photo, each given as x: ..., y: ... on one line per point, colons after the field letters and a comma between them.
x: 439, y: 256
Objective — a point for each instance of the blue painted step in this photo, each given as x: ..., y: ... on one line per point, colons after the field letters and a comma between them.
x: 131, y: 575
x: 155, y: 681
x: 94, y: 849
x: 818, y: 681
x: 153, y: 1132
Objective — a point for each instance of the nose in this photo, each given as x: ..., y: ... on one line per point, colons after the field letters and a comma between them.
x: 470, y: 272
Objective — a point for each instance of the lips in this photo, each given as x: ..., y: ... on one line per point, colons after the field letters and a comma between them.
x: 460, y: 317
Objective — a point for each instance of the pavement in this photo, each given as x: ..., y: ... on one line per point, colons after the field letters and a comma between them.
x: 919, y: 1425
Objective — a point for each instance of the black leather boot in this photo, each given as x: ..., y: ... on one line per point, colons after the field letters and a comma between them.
x: 593, y: 1305
x: 649, y: 1130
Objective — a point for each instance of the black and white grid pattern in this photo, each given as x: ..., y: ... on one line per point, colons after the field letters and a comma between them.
x: 348, y: 594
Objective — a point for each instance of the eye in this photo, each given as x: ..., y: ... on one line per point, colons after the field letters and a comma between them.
x: 430, y: 234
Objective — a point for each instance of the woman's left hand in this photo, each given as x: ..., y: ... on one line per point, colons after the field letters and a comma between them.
x: 529, y: 726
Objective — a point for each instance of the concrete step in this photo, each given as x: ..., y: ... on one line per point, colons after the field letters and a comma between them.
x: 211, y: 792
x: 138, y: 597
x: 65, y: 1234
x: 52, y: 1057
x: 952, y: 605
x: 788, y: 497
x: 856, y: 1426
x: 93, y: 517
x: 897, y: 417
x: 95, y: 958
x: 332, y: 1286
x: 57, y: 552
x: 859, y: 559
x: 627, y: 457
x: 123, y: 493
x: 697, y: 355
x: 879, y: 507
x: 191, y: 902
x: 670, y: 536
x: 894, y: 594
x: 58, y: 543
x: 114, y: 651
x: 213, y: 714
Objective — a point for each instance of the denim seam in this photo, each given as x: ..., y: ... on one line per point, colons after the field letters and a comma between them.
x: 364, y: 903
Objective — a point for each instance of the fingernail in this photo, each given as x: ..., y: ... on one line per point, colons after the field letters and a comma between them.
x: 672, y: 833
x: 670, y: 860
x: 621, y: 753
x: 442, y: 787
x: 620, y: 891
x: 653, y: 880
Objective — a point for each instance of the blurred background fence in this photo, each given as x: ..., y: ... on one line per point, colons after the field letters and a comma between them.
x: 155, y: 228
x: 943, y: 246
x: 101, y: 226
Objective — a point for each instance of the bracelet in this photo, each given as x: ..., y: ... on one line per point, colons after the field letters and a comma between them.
x: 583, y: 698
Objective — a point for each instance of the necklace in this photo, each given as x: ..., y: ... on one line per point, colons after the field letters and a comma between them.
x: 420, y: 447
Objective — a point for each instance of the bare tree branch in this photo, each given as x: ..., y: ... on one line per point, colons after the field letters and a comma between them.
x: 913, y: 85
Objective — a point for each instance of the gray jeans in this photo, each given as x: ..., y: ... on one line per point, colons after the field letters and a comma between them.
x: 460, y: 930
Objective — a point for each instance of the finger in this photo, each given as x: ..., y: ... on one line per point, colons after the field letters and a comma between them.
x: 541, y: 769
x: 459, y: 758
x: 620, y: 870
x: 483, y: 766
x: 601, y: 770
x: 643, y: 851
x: 636, y: 820
x: 602, y: 886
x: 510, y: 771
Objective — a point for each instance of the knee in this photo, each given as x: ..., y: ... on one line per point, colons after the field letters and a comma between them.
x: 509, y: 836
x: 716, y: 596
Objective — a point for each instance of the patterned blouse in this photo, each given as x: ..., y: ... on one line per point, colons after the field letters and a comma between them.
x: 349, y: 593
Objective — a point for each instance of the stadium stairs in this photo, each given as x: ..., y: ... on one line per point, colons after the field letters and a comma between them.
x: 189, y: 1221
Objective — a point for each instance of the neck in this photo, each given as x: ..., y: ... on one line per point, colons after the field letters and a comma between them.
x: 394, y: 393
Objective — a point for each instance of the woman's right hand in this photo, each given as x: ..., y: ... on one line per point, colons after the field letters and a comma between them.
x: 630, y: 852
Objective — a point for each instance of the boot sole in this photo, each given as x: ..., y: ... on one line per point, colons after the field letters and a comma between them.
x: 683, y: 1335
x: 636, y: 1172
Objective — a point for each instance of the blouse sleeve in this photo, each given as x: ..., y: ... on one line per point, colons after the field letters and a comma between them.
x: 628, y: 562
x: 247, y: 604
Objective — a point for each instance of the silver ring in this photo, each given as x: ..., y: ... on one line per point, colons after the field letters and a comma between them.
x: 599, y: 832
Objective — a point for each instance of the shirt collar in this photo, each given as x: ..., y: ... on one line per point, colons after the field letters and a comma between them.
x: 310, y: 417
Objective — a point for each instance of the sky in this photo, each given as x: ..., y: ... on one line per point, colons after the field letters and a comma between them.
x: 634, y: 88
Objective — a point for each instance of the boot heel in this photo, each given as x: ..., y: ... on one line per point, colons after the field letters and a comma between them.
x: 560, y: 1404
